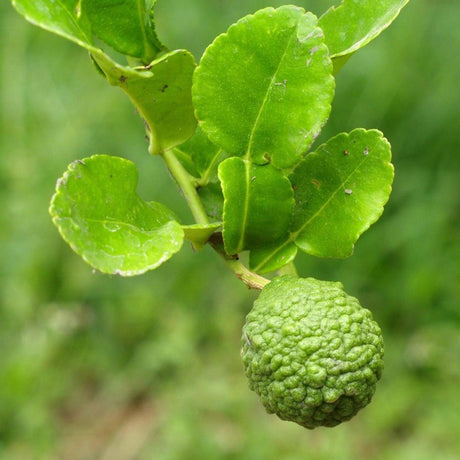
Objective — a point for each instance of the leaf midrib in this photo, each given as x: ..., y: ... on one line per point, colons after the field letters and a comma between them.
x: 319, y: 211
x: 247, y: 157
x: 266, y: 96
x: 141, y: 14
x: 293, y: 236
x: 240, y: 244
x: 75, y: 22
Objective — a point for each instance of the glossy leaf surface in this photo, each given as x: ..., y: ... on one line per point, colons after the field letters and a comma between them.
x: 199, y: 234
x: 273, y: 257
x: 258, y: 204
x: 263, y: 89
x: 340, y: 190
x: 62, y: 17
x: 97, y: 211
x: 200, y: 156
x: 125, y: 25
x: 354, y: 23
x: 213, y: 200
x: 161, y: 93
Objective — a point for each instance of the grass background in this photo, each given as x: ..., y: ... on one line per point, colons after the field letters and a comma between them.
x: 99, y: 367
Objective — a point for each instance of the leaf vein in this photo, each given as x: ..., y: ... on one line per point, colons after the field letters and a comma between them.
x: 266, y: 97
x: 141, y: 13
x: 244, y: 222
x: 74, y: 21
x: 293, y: 236
x: 206, y: 176
x: 319, y: 211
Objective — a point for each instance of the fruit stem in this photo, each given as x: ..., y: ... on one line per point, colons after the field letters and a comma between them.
x: 251, y: 279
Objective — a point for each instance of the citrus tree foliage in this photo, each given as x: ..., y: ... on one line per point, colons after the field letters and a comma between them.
x: 237, y: 131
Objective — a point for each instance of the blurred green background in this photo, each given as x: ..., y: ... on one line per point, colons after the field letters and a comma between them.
x: 99, y: 367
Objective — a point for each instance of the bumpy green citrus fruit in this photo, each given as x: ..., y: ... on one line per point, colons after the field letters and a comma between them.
x: 311, y: 352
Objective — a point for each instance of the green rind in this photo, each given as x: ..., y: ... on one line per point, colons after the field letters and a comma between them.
x: 311, y: 352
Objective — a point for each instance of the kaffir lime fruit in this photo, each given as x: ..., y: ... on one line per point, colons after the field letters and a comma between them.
x: 311, y: 352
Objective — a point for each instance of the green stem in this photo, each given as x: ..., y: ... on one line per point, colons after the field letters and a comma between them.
x: 206, y: 176
x: 251, y: 279
x: 185, y: 182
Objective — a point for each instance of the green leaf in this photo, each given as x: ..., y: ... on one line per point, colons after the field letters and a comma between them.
x: 340, y: 190
x: 258, y: 204
x: 212, y: 199
x: 203, y: 154
x: 186, y: 161
x: 125, y: 25
x: 271, y: 258
x: 354, y: 23
x: 151, y: 29
x: 62, y: 17
x: 263, y: 90
x: 97, y: 211
x: 161, y: 93
x: 199, y: 234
